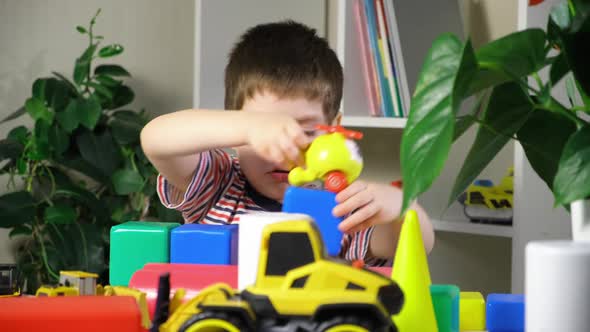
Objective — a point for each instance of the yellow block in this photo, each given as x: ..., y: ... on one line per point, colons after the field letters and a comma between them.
x: 412, y: 275
x: 472, y: 312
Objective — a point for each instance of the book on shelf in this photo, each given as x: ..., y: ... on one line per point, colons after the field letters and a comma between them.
x: 375, y: 25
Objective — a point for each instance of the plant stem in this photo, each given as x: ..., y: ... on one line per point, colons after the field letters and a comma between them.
x: 557, y: 107
x: 44, y: 254
x: 538, y: 79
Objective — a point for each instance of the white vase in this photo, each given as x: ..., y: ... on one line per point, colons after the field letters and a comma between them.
x: 580, y: 214
x: 557, y: 291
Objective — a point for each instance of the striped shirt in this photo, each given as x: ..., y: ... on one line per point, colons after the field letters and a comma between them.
x: 219, y: 193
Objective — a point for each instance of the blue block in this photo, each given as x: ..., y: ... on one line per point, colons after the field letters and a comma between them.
x: 505, y: 313
x: 318, y: 204
x: 204, y: 244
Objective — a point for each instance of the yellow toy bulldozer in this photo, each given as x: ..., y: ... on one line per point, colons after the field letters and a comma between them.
x: 296, y: 289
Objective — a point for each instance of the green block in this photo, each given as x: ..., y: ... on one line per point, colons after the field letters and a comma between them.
x: 135, y: 243
x: 445, y: 299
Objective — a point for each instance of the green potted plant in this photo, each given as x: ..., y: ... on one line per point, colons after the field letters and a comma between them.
x: 79, y: 170
x: 513, y: 102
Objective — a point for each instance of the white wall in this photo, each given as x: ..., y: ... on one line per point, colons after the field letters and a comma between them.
x: 39, y: 36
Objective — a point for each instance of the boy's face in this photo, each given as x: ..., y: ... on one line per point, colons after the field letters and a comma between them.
x: 268, y: 179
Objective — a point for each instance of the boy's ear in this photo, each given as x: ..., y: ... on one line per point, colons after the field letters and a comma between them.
x: 337, y: 119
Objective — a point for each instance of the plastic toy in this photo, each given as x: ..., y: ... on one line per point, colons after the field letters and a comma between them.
x: 412, y: 274
x: 333, y: 158
x: 204, y: 244
x: 296, y: 287
x: 445, y: 299
x: 191, y: 278
x: 505, y: 313
x: 134, y: 244
x: 70, y: 314
x: 85, y: 282
x: 318, y: 204
x: 140, y: 298
x: 472, y: 312
x: 484, y: 202
x: 57, y: 290
x: 9, y: 281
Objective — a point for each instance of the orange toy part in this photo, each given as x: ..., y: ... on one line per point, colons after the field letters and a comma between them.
x: 339, y: 129
x: 70, y: 314
x: 534, y: 2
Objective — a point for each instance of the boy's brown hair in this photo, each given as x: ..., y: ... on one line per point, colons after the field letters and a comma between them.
x: 288, y: 59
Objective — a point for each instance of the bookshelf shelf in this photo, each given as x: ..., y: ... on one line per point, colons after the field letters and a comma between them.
x: 373, y: 122
x: 467, y: 227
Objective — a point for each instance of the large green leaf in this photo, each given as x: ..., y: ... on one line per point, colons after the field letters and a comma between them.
x: 89, y: 111
x: 513, y: 56
x: 40, y: 149
x: 10, y: 149
x: 14, y: 114
x: 107, y: 81
x: 427, y: 138
x: 38, y: 111
x: 574, y: 36
x: 101, y: 89
x: 111, y: 70
x: 122, y: 96
x: 86, y: 199
x: 110, y: 50
x: 126, y: 181
x: 100, y: 151
x: 572, y: 181
x: 76, y: 246
x: 559, y: 69
x: 126, y: 129
x: 507, y: 110
x: 79, y: 164
x: 60, y: 214
x: 69, y: 119
x: 16, y: 208
x: 67, y: 82
x: 543, y: 137
x: 82, y: 67
x: 59, y: 140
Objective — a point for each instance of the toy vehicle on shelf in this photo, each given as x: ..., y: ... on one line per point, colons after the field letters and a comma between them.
x: 72, y: 283
x: 333, y: 158
x: 296, y: 289
x: 484, y: 202
x: 9, y: 280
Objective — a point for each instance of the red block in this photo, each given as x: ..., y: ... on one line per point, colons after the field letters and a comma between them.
x: 191, y: 277
x: 70, y: 314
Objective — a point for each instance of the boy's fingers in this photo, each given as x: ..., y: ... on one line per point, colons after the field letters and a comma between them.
x: 351, y: 190
x: 275, y: 155
x: 290, y: 150
x: 359, y: 200
x: 298, y: 136
x: 359, y: 217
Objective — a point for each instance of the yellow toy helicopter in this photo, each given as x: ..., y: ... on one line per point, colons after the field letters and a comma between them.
x: 333, y: 158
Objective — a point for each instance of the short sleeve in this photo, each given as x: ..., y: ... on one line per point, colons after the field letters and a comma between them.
x: 213, y: 175
x: 356, y: 247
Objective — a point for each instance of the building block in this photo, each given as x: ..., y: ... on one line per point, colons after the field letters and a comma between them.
x: 412, y: 275
x: 250, y: 238
x: 190, y: 277
x: 136, y: 243
x: 70, y: 314
x: 318, y: 204
x: 445, y: 299
x: 505, y: 313
x: 472, y: 312
x: 204, y: 244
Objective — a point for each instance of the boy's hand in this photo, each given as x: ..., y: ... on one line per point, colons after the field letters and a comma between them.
x: 372, y: 204
x: 278, y: 138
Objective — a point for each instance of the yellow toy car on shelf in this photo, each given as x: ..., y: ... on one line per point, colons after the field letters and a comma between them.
x: 9, y: 281
x: 296, y: 289
x: 72, y: 283
x: 333, y: 158
x: 487, y: 203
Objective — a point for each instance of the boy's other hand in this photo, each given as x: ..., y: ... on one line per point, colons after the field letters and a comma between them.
x: 367, y: 204
x: 278, y: 138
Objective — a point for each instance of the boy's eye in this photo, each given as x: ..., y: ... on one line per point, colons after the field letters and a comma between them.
x: 310, y: 133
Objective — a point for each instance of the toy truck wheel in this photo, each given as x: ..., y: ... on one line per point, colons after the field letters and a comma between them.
x: 336, y: 181
x: 347, y: 324
x: 214, y: 321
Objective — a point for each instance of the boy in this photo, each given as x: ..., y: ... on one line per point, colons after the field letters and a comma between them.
x: 281, y: 81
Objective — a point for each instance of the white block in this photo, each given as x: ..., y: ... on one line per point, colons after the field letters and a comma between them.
x: 250, y: 235
x: 557, y: 295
